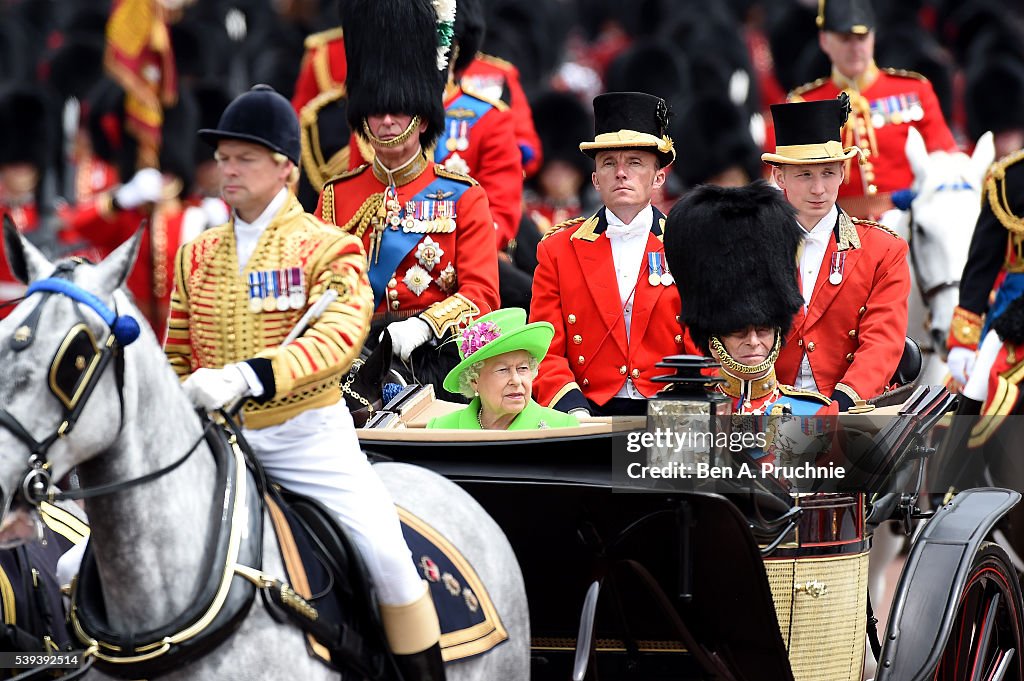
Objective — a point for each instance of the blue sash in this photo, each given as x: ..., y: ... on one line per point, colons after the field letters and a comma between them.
x: 395, y: 244
x: 463, y: 101
x: 1011, y: 289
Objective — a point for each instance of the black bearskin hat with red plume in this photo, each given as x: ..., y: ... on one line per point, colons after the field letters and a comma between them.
x: 732, y: 252
x: 391, y: 49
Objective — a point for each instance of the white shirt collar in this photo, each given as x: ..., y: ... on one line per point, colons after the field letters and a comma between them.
x: 644, y: 217
x: 823, y: 229
x: 260, y: 223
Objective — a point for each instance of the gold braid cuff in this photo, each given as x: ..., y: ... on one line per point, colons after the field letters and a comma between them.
x: 965, y: 328
x: 449, y: 313
x: 394, y: 141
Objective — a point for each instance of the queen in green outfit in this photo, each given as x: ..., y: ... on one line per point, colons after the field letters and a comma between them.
x: 500, y: 354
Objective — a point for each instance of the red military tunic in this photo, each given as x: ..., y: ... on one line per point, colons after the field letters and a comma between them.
x: 885, y: 103
x: 853, y: 332
x: 492, y: 77
x: 575, y: 289
x: 450, y: 275
x: 324, y: 67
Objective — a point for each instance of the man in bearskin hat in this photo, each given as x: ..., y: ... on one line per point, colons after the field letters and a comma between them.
x: 601, y: 281
x: 885, y: 102
x: 239, y: 290
x: 997, y: 245
x: 848, y: 337
x: 733, y: 252
x: 427, y: 231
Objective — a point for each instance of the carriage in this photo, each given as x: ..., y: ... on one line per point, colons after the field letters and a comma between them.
x: 663, y: 582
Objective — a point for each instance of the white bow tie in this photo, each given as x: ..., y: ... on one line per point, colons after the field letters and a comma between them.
x: 626, y: 232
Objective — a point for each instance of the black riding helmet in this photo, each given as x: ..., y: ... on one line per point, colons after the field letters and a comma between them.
x: 260, y: 115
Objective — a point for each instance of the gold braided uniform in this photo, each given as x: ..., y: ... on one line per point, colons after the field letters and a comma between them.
x: 211, y: 325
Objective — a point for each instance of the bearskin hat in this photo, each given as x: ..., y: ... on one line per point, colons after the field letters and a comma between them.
x: 391, y: 49
x: 732, y: 252
x: 715, y: 134
x: 994, y: 96
x: 470, y: 27
x: 562, y: 122
x: 25, y: 127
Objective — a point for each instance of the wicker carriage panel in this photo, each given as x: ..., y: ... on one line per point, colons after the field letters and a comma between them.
x: 821, y: 605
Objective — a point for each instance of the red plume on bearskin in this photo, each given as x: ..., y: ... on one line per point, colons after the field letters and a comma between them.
x: 733, y: 252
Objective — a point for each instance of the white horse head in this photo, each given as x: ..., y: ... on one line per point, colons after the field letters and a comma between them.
x: 946, y: 202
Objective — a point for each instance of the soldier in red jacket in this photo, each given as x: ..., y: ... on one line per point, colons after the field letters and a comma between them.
x: 427, y: 231
x: 885, y: 103
x: 602, y: 281
x: 848, y: 339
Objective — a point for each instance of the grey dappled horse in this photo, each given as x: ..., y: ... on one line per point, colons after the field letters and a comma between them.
x: 149, y: 539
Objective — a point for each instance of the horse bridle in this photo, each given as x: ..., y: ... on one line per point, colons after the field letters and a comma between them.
x: 74, y: 373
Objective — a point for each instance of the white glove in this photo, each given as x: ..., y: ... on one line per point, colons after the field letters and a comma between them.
x: 216, y: 211
x: 213, y: 388
x: 579, y: 412
x: 145, y: 187
x: 961, y: 362
x: 407, y: 335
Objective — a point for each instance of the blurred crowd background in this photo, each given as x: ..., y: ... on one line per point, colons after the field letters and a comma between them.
x: 719, y: 64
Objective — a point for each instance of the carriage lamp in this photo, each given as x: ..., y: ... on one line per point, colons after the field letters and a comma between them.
x: 691, y: 409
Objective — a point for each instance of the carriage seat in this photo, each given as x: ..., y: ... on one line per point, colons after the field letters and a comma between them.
x: 909, y: 368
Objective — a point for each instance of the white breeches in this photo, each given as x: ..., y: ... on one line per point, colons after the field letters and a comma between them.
x: 317, y: 454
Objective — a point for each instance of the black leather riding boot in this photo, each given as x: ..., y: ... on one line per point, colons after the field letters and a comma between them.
x: 424, y: 666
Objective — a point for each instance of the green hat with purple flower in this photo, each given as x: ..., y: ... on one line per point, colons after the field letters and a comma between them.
x: 495, y: 334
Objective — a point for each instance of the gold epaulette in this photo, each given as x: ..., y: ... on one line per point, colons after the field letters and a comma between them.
x: 790, y: 391
x: 905, y: 74
x: 561, y: 226
x: 995, y: 188
x: 878, y: 225
x: 496, y: 103
x: 497, y: 61
x: 348, y: 174
x: 797, y: 93
x: 320, y: 39
x: 450, y: 174
x: 318, y: 169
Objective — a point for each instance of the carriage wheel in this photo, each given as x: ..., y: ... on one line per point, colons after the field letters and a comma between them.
x: 986, y: 639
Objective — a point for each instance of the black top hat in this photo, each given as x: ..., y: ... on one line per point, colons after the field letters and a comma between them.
x: 810, y: 132
x: 383, y: 79
x: 260, y: 115
x: 750, y: 232
x: 25, y: 133
x: 631, y: 120
x: 846, y: 16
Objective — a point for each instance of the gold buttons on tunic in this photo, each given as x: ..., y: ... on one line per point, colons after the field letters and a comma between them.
x: 572, y: 319
x: 861, y: 311
x: 810, y: 346
x: 800, y: 342
x: 849, y: 357
x: 622, y: 369
x: 679, y: 338
x: 636, y: 373
x: 577, y: 339
x: 580, y: 360
x: 393, y: 294
x: 586, y: 382
x: 679, y: 319
x: 394, y: 304
x: 393, y: 283
x: 853, y: 333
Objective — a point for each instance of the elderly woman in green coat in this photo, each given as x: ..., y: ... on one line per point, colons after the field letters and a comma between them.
x: 500, y: 354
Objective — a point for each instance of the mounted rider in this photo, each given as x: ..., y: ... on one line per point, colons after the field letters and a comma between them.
x: 239, y: 290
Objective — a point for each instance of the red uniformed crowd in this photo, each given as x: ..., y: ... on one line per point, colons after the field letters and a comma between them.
x: 522, y: 185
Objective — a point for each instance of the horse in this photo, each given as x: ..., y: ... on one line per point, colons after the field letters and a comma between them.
x: 154, y: 495
x: 938, y: 221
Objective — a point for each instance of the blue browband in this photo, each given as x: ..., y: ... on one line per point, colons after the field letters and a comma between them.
x: 124, y: 328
